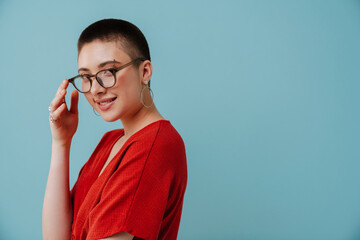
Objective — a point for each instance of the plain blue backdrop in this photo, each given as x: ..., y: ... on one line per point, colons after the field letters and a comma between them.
x: 264, y: 93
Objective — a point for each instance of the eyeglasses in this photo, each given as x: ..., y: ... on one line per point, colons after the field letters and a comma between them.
x: 106, y: 78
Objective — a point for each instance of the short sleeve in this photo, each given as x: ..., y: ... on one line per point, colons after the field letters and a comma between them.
x: 75, y: 187
x: 135, y: 197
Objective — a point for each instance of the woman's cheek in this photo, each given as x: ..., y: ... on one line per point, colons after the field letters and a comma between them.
x: 89, y: 99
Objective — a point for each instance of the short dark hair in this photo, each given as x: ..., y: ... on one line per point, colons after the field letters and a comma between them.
x: 129, y: 36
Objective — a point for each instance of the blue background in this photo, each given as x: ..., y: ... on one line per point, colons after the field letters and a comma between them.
x: 264, y: 93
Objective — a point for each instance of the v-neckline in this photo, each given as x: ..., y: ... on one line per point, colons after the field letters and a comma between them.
x: 122, y: 132
x: 103, y: 161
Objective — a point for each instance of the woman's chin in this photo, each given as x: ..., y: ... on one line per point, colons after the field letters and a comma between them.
x: 109, y: 118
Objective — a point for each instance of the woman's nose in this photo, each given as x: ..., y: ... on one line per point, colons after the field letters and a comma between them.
x: 96, y: 88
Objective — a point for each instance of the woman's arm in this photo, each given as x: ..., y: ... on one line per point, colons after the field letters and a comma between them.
x: 57, y: 208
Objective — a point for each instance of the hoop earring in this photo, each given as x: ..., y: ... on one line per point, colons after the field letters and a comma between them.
x: 151, y: 94
x: 95, y: 112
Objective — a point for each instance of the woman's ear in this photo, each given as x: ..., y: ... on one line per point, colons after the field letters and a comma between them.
x: 146, y: 71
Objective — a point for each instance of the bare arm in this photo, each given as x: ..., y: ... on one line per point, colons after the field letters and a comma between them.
x: 57, y: 208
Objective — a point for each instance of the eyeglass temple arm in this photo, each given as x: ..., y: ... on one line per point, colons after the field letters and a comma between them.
x: 129, y: 63
x: 117, y: 69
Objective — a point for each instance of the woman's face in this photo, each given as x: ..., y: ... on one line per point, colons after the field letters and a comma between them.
x: 123, y: 99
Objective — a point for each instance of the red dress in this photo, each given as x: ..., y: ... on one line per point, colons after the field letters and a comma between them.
x: 141, y: 191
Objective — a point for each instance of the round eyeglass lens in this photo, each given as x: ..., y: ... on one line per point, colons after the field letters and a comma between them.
x: 82, y: 83
x: 106, y: 78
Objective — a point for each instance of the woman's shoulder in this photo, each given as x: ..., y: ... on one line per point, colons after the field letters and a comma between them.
x: 112, y: 134
x: 162, y: 147
x: 161, y: 131
x: 168, y: 135
x: 165, y: 141
x: 168, y: 154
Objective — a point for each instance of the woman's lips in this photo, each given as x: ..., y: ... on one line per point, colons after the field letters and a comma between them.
x: 105, y: 104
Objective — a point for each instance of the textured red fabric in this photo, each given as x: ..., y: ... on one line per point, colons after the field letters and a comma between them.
x: 141, y: 191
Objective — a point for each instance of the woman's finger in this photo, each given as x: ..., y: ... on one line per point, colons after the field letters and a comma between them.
x: 74, y: 102
x: 56, y: 115
x: 64, y: 84
x: 58, y: 100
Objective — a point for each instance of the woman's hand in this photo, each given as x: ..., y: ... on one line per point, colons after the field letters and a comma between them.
x: 63, y: 122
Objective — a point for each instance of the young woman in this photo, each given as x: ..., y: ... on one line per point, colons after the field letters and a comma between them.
x: 133, y: 185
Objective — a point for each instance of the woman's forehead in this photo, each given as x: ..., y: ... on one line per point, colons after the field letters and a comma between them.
x: 96, y: 52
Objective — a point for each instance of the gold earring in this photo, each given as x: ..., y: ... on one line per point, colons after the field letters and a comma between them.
x: 151, y: 94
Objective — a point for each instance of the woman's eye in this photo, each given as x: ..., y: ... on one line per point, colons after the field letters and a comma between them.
x: 85, y: 77
x: 108, y: 73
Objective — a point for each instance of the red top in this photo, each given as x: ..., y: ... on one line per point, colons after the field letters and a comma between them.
x: 141, y: 191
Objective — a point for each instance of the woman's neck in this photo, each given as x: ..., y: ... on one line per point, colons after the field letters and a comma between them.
x: 143, y: 117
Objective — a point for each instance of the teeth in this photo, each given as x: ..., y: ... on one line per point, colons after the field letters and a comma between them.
x: 104, y: 103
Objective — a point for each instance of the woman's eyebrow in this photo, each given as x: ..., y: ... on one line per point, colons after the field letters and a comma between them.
x: 83, y: 69
x: 106, y: 63
x: 101, y: 65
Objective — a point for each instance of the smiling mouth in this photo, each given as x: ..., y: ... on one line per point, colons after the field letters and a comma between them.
x: 106, y: 102
x: 101, y: 103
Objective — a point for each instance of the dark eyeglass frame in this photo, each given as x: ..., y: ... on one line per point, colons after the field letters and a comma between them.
x: 112, y: 70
